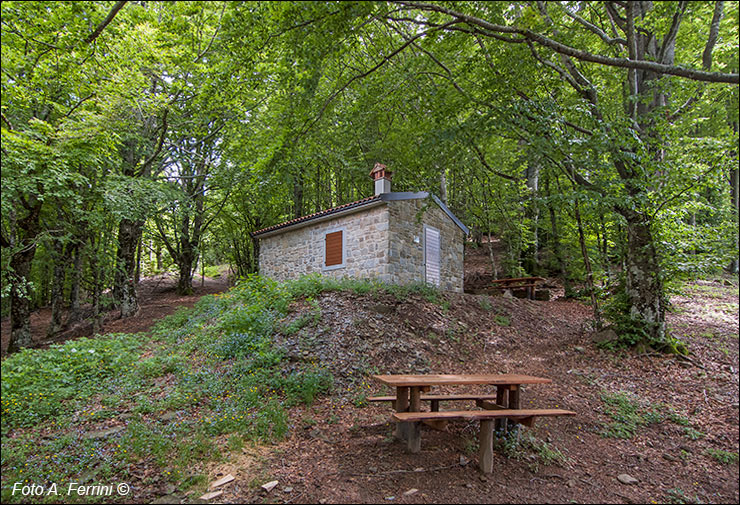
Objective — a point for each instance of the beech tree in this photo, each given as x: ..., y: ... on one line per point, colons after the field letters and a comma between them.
x: 640, y: 38
x: 593, y: 141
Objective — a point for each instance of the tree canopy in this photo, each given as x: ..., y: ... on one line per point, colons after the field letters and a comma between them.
x: 598, y: 141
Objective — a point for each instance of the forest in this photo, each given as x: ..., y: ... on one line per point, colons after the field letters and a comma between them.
x: 593, y: 144
x: 597, y: 140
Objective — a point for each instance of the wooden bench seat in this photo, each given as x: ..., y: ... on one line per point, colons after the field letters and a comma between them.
x: 486, y: 418
x: 435, y: 399
x: 477, y: 415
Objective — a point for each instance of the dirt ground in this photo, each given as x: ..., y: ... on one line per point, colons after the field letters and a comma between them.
x: 157, y: 298
x: 339, y: 453
x: 341, y: 450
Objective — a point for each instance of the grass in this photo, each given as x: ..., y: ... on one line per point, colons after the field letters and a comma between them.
x: 627, y: 415
x: 527, y: 446
x: 485, y: 303
x: 724, y: 457
x: 205, y: 381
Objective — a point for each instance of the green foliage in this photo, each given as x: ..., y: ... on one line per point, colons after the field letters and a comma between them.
x: 485, y: 304
x: 627, y: 415
x: 518, y: 447
x: 211, y: 370
x: 212, y: 271
x: 42, y: 384
x: 310, y: 286
x: 724, y: 457
x: 305, y: 386
x: 634, y: 332
x: 693, y: 434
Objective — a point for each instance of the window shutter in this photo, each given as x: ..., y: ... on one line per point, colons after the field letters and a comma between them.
x: 333, y: 249
x: 432, y: 255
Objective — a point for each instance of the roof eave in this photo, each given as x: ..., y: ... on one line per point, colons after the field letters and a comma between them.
x: 319, y: 219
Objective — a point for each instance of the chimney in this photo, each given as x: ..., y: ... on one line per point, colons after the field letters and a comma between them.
x: 382, y: 177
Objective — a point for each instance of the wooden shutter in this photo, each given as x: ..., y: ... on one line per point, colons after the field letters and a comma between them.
x: 431, y: 255
x: 333, y: 249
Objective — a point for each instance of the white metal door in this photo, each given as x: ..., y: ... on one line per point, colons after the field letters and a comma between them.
x: 431, y: 255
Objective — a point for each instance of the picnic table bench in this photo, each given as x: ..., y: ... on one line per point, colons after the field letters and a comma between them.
x: 493, y: 416
x: 529, y: 283
x: 436, y: 398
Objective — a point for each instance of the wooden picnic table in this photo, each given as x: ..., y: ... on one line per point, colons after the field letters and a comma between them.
x: 506, y: 407
x: 529, y: 283
x: 410, y: 387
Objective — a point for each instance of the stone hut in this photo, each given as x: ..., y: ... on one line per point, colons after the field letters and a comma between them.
x: 394, y: 237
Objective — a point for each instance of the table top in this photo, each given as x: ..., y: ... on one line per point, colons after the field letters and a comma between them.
x: 441, y: 380
x: 518, y: 279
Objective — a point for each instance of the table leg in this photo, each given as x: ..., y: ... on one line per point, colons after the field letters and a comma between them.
x: 502, y: 399
x: 402, y: 405
x: 414, y: 429
x: 514, y: 404
x: 485, y: 453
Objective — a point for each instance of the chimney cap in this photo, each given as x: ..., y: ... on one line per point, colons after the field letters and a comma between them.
x: 380, y: 171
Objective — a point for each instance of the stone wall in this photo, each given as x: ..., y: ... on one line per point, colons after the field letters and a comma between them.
x: 291, y: 254
x: 385, y: 242
x: 406, y: 255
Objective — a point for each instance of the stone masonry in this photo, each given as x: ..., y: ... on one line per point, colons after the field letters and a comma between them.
x: 294, y: 253
x: 406, y: 256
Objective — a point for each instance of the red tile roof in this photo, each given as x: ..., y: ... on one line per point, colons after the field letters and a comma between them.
x: 346, y: 206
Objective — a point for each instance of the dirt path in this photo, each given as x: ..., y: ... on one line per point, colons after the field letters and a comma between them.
x: 157, y: 298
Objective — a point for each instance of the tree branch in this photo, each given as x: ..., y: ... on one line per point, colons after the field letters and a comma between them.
x: 94, y: 35
x: 7, y: 121
x: 629, y: 63
x: 595, y: 29
x: 158, y: 149
x: 667, y: 49
x: 370, y: 71
x: 706, y: 61
x: 706, y: 57
x: 487, y: 166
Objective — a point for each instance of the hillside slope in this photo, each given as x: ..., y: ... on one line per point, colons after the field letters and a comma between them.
x: 268, y: 382
x: 670, y: 423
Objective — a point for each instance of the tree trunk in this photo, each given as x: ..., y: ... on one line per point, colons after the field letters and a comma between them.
x: 443, y: 186
x: 137, y: 270
x: 159, y: 257
x: 75, y: 313
x: 556, y: 246
x: 532, y: 212
x: 57, y: 289
x: 96, y: 285
x: 125, y: 287
x: 185, y: 268
x: 733, y: 267
x: 20, y: 268
x: 298, y: 196
x: 587, y: 264
x: 20, y: 300
x: 644, y: 286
